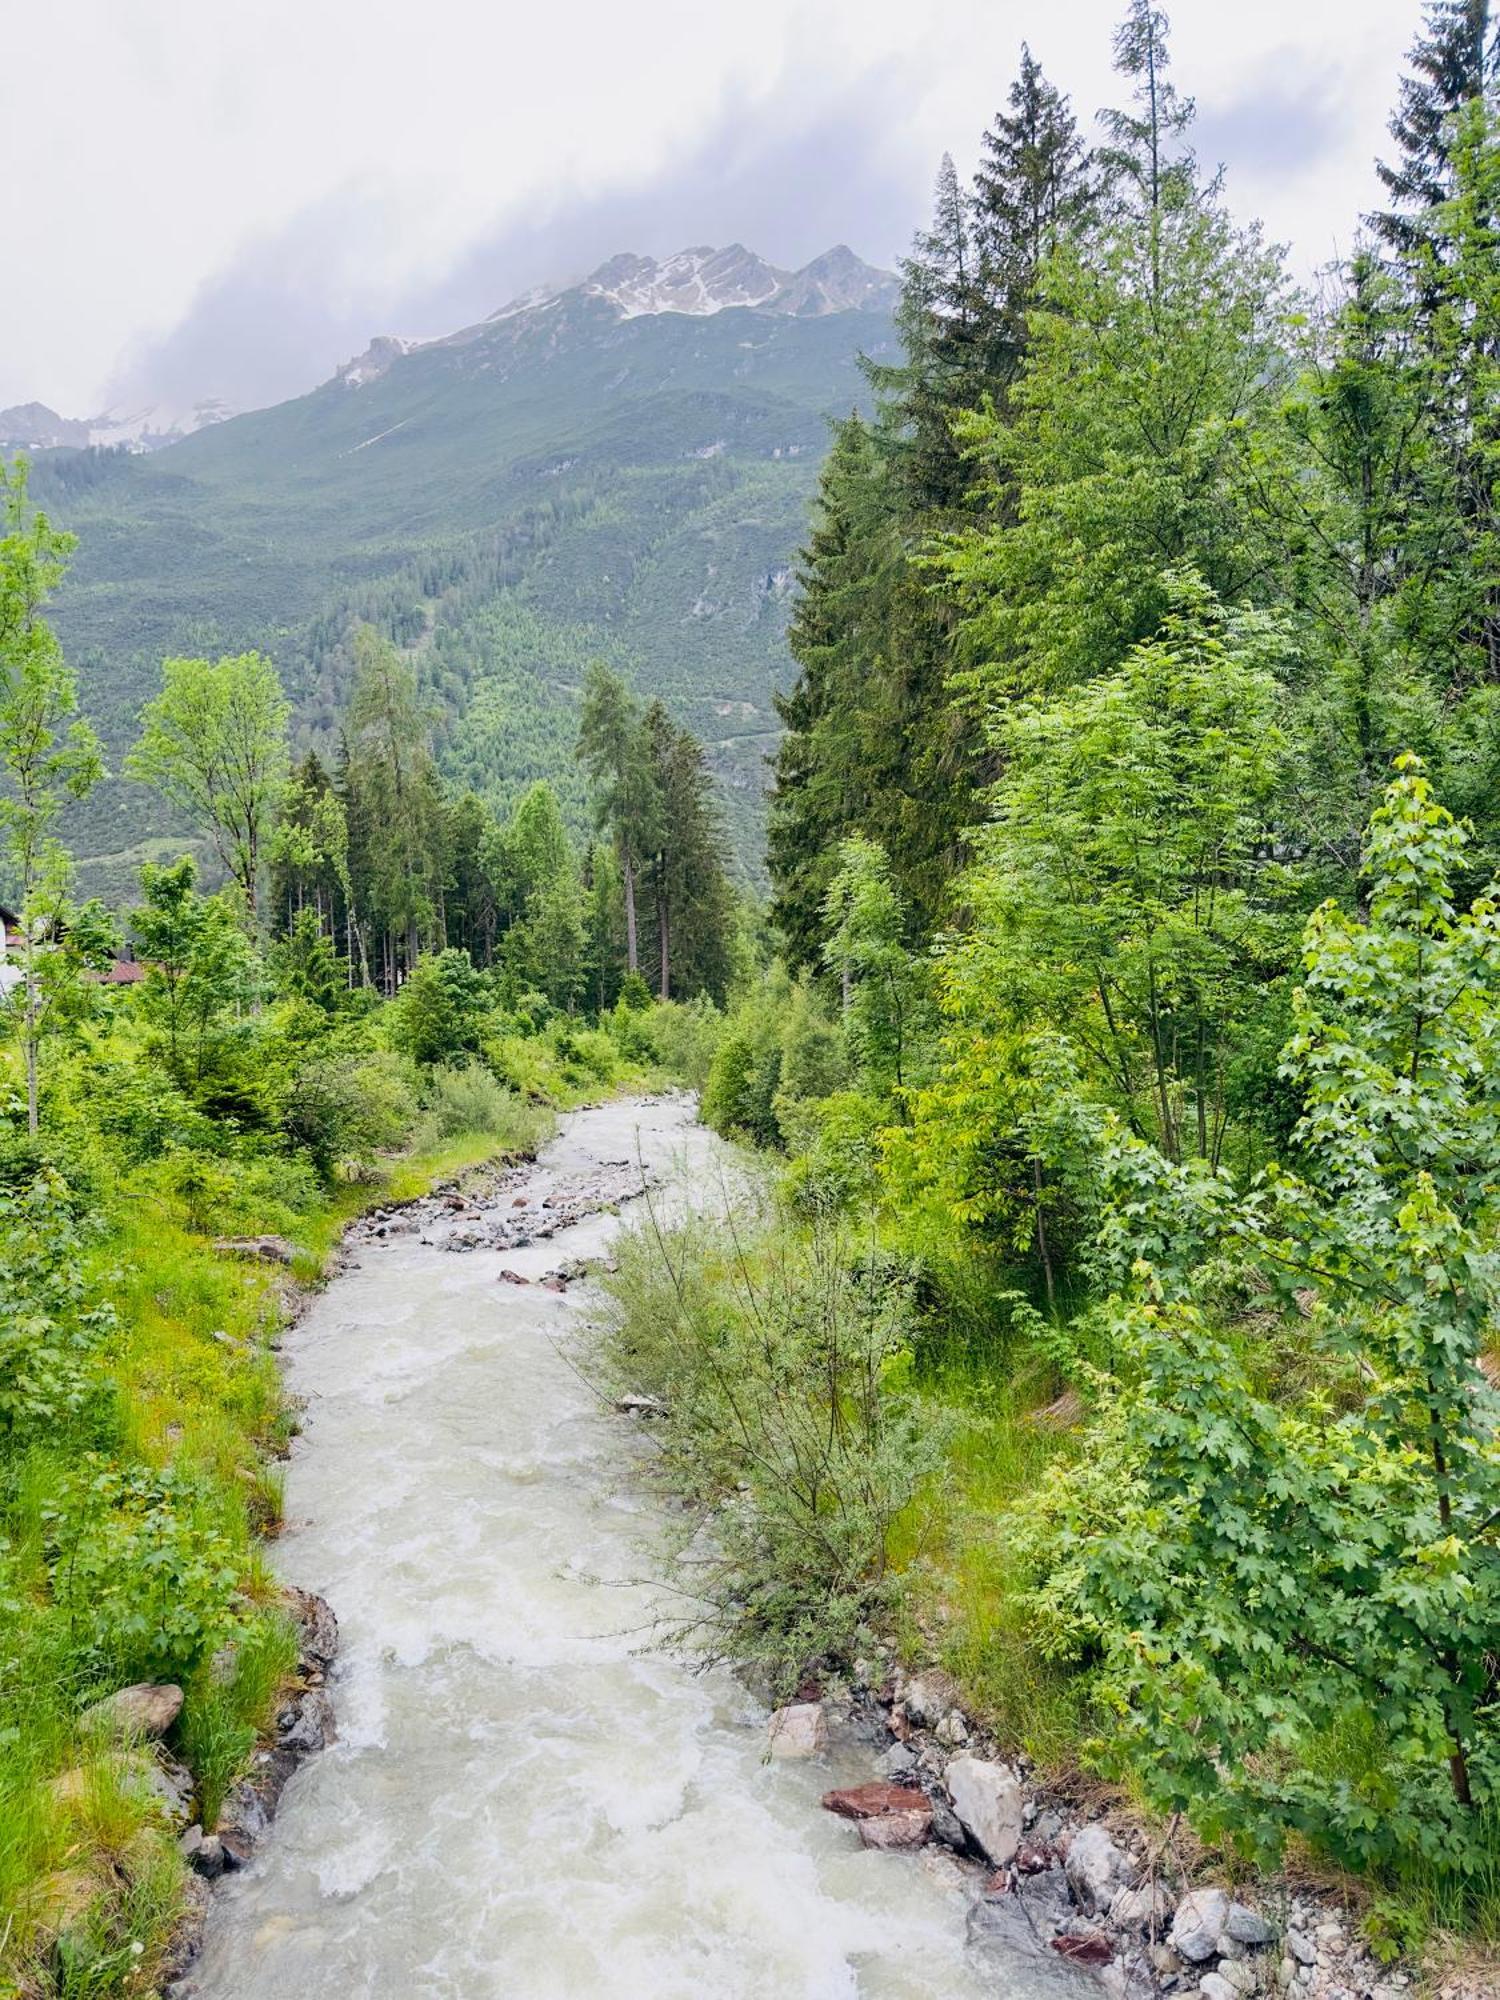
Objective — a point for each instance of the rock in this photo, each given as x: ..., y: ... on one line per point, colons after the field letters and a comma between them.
x: 640, y: 1406
x: 952, y: 1730
x: 1247, y: 1926
x: 1199, y: 1920
x: 1084, y: 1947
x: 1148, y: 1908
x: 1097, y: 1868
x: 1240, y: 1974
x: 987, y: 1798
x: 928, y: 1698
x: 133, y: 1713
x: 799, y: 1730
x: 866, y: 1801
x: 171, y: 1783
x: 1214, y: 1986
x: 897, y: 1761
x: 312, y: 1724
x: 1301, y: 1947
x: 268, y: 1249
x: 890, y: 1831
x: 554, y: 1284
x: 205, y: 1854
x: 947, y: 1827
x: 317, y: 1624
x: 510, y: 1277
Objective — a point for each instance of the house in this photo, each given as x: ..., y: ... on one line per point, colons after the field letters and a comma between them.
x: 10, y: 938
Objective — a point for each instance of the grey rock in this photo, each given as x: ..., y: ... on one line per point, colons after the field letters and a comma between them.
x: 1097, y: 1868
x: 1148, y: 1908
x: 266, y: 1249
x: 947, y: 1827
x: 799, y: 1730
x: 1240, y: 1974
x: 1213, y: 1986
x: 312, y: 1725
x: 1301, y: 1947
x: 1198, y: 1923
x: 1247, y: 1926
x: 898, y: 1762
x: 208, y: 1858
x: 928, y: 1698
x: 987, y: 1798
x: 317, y: 1624
x: 131, y: 1714
x: 953, y: 1730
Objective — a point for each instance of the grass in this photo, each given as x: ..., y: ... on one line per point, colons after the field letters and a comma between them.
x: 962, y: 1597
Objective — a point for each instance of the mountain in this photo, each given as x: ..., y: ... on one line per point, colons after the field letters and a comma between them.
x: 621, y: 467
x: 33, y: 427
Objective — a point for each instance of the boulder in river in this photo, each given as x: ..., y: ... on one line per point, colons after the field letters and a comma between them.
x: 866, y: 1801
x: 892, y: 1831
x: 987, y: 1799
x: 799, y: 1730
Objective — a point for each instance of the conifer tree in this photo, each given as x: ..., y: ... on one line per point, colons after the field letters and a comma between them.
x: 1453, y: 63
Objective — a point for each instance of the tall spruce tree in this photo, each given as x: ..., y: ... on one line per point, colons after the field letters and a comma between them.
x: 1453, y: 63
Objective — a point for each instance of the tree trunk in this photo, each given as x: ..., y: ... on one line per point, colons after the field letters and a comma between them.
x: 33, y: 1106
x: 631, y: 956
x: 664, y: 927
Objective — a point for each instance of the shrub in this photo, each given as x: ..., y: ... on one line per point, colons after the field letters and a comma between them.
x: 775, y: 1357
x: 439, y: 1013
x: 347, y: 1108
x: 471, y: 1099
x: 141, y: 1573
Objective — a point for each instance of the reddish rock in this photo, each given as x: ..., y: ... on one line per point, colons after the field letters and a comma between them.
x: 509, y: 1277
x: 890, y: 1830
x: 1035, y: 1860
x: 1092, y: 1948
x: 521, y: 1201
x: 867, y: 1801
x: 554, y: 1284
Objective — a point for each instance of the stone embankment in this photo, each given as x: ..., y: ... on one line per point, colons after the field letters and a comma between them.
x: 1095, y: 1897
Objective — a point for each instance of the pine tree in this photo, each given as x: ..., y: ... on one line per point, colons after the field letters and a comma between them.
x: 611, y: 748
x: 1035, y: 182
x: 396, y: 811
x: 1454, y: 62
x: 693, y: 909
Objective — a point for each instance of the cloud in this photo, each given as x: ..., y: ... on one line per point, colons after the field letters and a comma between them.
x: 788, y: 179
x: 1283, y: 123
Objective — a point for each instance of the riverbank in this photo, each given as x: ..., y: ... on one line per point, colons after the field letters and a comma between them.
x: 819, y: 1481
x: 99, y: 1862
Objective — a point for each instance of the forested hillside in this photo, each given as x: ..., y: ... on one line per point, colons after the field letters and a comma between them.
x: 557, y: 483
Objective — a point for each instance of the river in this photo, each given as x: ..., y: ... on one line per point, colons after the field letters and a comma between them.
x: 523, y: 1801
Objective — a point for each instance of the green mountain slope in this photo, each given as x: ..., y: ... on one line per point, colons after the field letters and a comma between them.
x: 556, y: 483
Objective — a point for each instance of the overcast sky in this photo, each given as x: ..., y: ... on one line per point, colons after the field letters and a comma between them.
x: 199, y: 199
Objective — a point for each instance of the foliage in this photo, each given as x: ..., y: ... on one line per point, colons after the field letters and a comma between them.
x: 771, y: 1354
x: 1257, y: 1577
x: 213, y: 743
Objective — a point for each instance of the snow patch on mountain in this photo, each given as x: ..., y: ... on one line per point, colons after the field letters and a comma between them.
x: 698, y: 282
x: 35, y: 427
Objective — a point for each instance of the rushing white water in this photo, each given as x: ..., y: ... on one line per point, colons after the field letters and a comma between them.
x: 522, y: 1802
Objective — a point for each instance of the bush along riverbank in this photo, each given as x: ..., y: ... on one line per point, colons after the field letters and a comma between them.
x: 1187, y: 1476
